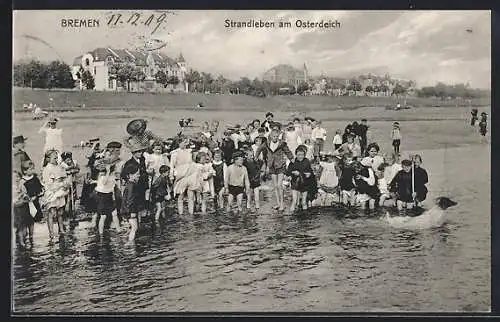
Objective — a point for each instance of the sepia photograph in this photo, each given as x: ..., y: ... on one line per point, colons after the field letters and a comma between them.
x: 251, y: 161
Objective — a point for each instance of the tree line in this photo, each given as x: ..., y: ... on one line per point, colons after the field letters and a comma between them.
x: 57, y: 74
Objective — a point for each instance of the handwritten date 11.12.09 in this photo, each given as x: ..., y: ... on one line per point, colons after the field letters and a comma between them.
x: 137, y: 19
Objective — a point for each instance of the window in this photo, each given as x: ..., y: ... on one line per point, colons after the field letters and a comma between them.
x: 110, y: 83
x: 87, y: 62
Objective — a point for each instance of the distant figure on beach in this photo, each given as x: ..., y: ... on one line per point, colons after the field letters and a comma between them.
x: 483, y: 124
x: 474, y: 117
x: 38, y: 113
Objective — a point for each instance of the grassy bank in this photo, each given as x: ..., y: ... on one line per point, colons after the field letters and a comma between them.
x: 67, y: 100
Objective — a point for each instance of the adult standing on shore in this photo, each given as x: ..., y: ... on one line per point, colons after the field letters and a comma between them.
x: 53, y: 137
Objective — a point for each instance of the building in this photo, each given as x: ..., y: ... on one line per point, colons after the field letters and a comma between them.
x: 287, y: 74
x: 101, y: 63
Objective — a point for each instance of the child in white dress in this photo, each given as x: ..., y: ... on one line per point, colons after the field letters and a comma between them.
x: 329, y: 179
x: 205, y: 175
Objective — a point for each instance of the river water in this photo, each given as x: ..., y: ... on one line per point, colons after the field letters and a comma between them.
x: 326, y: 260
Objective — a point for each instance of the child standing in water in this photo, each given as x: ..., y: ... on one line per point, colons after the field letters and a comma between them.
x: 129, y: 207
x: 220, y: 169
x: 346, y: 181
x: 206, y: 173
x: 104, y: 195
x: 34, y: 189
x: 276, y: 152
x: 421, y: 179
x: 160, y: 192
x: 396, y: 137
x: 185, y: 172
x: 57, y: 188
x: 236, y: 181
x: 20, y: 200
x: 302, y: 176
x: 329, y: 179
x: 253, y: 168
x: 401, y: 184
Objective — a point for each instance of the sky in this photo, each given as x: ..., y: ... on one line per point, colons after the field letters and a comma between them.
x: 425, y: 46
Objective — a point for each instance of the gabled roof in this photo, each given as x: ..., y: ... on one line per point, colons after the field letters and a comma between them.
x: 135, y: 56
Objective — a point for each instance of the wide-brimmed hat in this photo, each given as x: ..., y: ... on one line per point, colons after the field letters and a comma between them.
x: 137, y: 145
x: 19, y: 139
x: 136, y: 126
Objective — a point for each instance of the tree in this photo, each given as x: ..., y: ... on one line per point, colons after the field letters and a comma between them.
x: 399, y: 90
x: 161, y: 78
x: 355, y: 86
x: 192, y: 77
x: 384, y: 88
x: 207, y: 80
x: 59, y: 75
x: 369, y: 89
x: 174, y: 80
x: 128, y: 73
x: 302, y: 88
x: 87, y: 79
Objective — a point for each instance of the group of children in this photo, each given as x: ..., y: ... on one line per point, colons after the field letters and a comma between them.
x: 200, y: 168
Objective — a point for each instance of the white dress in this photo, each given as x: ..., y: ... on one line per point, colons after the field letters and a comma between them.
x: 55, y: 188
x: 155, y: 161
x: 329, y: 178
x: 293, y: 140
x: 53, y: 139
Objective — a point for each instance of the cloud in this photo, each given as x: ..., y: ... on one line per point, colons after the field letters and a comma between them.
x: 427, y: 46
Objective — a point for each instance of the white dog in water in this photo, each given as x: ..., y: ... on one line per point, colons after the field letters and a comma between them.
x: 433, y: 217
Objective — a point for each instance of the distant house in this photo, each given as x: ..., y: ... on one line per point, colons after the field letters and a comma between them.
x: 286, y: 74
x: 100, y: 62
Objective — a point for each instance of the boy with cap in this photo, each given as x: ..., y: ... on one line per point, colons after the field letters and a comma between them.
x: 236, y: 181
x: 137, y: 149
x: 114, y: 150
x: 401, y: 185
x: 18, y: 145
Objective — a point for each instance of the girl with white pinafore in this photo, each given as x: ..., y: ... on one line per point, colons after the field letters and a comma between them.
x: 185, y: 173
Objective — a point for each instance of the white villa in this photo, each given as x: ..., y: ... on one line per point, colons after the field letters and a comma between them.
x: 99, y: 61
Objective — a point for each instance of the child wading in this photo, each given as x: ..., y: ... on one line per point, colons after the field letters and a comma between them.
x: 275, y: 151
x: 160, y: 191
x: 302, y: 178
x: 254, y: 171
x: 236, y: 181
x: 57, y: 188
x: 346, y: 181
x: 205, y: 176
x: 401, y: 184
x: 130, y: 199
x: 220, y: 169
x: 20, y: 200
x: 329, y: 179
x: 35, y: 190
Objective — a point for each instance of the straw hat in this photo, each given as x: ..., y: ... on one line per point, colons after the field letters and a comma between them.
x: 136, y: 126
